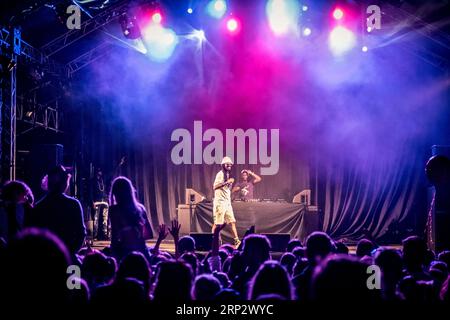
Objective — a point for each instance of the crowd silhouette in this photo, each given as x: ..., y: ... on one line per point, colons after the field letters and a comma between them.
x: 39, y: 241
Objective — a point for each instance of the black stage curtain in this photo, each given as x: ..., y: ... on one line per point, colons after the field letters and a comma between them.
x: 364, y: 198
x: 373, y: 198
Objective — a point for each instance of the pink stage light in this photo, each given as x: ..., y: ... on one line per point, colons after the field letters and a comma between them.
x: 233, y: 25
x: 338, y: 14
x: 157, y: 17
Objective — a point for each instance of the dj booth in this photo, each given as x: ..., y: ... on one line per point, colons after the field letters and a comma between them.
x: 268, y: 217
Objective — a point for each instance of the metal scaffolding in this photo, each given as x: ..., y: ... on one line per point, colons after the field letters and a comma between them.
x: 29, y: 53
x: 16, y: 51
x: 38, y: 115
x: 29, y: 110
x: 11, y: 46
x: 87, y: 27
x: 88, y: 57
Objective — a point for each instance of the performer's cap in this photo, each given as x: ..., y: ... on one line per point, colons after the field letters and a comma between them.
x: 226, y: 160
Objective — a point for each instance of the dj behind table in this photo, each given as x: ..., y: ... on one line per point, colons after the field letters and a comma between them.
x: 268, y: 216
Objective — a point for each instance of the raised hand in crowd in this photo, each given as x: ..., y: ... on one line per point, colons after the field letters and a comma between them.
x: 163, y: 232
x: 175, y: 232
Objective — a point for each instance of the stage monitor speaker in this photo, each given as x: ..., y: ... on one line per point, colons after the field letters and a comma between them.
x: 192, y: 196
x: 203, y: 240
x: 278, y: 241
x: 303, y: 197
x: 184, y: 213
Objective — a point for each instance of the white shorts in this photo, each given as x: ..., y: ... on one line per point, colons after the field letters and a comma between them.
x: 223, y: 212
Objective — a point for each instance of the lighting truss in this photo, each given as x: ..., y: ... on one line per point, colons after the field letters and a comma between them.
x: 87, y: 27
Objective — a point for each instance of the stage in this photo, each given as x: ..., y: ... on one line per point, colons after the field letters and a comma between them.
x: 168, y: 246
x: 297, y: 220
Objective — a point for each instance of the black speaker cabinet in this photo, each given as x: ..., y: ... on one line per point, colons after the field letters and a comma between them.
x: 439, y: 234
x: 278, y: 241
x: 440, y: 212
x: 203, y: 240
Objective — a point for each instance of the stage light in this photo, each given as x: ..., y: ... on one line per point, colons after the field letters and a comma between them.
x: 305, y: 8
x: 160, y: 42
x: 233, y: 25
x: 169, y: 38
x: 282, y: 15
x: 189, y: 10
x: 219, y: 5
x: 130, y: 27
x: 199, y: 34
x: 217, y: 8
x: 364, y: 49
x: 143, y: 51
x: 156, y: 17
x: 341, y: 40
x: 306, y: 31
x: 338, y: 14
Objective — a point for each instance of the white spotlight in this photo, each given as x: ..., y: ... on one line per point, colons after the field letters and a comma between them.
x: 306, y: 31
x: 199, y: 35
x: 341, y: 40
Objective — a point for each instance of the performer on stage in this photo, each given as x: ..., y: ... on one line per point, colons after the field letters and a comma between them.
x: 245, y: 187
x: 222, y: 210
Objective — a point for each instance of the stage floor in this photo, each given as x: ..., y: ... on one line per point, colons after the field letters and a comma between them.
x: 168, y: 245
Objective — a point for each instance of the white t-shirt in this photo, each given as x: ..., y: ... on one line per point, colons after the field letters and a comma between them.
x: 224, y: 193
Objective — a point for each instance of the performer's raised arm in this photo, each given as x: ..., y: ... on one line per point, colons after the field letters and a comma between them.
x: 256, y: 178
x: 245, y: 185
